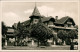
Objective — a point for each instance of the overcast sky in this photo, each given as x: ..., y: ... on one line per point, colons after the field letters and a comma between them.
x: 13, y: 12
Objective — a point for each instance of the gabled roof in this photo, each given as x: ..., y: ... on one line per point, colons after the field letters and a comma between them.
x: 47, y: 19
x: 36, y: 12
x: 26, y: 23
x: 63, y: 20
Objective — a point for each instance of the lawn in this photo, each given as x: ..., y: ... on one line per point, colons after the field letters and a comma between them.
x: 37, y: 48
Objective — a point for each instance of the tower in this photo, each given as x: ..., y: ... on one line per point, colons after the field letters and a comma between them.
x: 35, y: 17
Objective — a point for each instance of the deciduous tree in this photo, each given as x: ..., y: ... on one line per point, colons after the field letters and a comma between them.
x: 73, y: 34
x: 62, y: 35
x: 4, y: 32
x: 41, y: 32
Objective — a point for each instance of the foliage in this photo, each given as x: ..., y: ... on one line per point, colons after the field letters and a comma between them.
x: 4, y: 28
x: 41, y: 32
x: 62, y: 34
x: 4, y: 32
x: 68, y: 41
x: 38, y: 31
x: 72, y: 34
x: 25, y: 32
x: 22, y: 31
x: 16, y: 32
x: 19, y: 29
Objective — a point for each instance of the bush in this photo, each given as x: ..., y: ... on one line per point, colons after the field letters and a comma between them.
x: 59, y: 43
x: 68, y: 41
x: 76, y: 43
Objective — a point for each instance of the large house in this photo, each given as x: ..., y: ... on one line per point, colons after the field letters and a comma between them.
x: 65, y: 23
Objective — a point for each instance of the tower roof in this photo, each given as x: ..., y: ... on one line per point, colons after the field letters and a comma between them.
x: 36, y: 12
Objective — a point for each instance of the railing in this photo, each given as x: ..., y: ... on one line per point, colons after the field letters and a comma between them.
x: 53, y: 26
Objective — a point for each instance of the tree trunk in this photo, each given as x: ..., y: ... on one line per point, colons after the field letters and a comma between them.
x: 24, y: 43
x: 44, y: 43
x: 72, y: 45
x: 16, y: 41
x: 38, y: 43
x: 72, y: 40
x: 62, y: 42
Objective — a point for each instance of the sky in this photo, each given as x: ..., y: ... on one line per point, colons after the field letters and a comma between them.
x: 13, y: 12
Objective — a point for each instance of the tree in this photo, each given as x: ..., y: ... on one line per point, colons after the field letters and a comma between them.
x: 4, y: 29
x: 73, y: 34
x: 18, y: 32
x: 41, y: 32
x: 22, y: 32
x: 4, y: 32
x: 62, y: 35
x: 19, y: 29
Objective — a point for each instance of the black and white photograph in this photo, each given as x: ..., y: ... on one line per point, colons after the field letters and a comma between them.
x: 39, y: 26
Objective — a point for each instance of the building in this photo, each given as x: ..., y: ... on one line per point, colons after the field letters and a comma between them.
x: 9, y: 38
x: 65, y: 23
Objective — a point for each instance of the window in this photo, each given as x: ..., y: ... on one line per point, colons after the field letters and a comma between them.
x: 50, y: 23
x: 66, y: 25
x: 35, y: 21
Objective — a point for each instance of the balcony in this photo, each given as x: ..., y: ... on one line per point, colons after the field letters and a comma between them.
x: 51, y: 25
x: 59, y: 27
x: 69, y: 22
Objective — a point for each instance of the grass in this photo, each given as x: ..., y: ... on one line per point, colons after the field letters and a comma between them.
x: 37, y: 48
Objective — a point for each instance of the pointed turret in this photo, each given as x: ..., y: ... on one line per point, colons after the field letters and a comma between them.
x: 35, y: 13
x: 35, y: 17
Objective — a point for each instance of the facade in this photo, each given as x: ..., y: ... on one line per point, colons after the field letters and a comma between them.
x: 65, y: 23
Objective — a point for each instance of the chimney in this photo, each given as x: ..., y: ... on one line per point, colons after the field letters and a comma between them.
x: 56, y: 18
